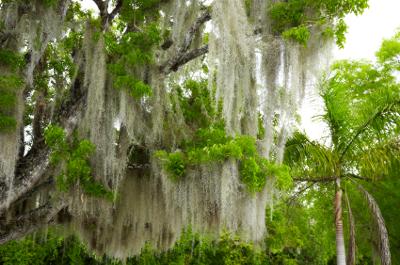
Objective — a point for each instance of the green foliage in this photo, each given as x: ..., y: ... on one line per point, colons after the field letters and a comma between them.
x: 9, y: 85
x: 174, y: 163
x: 294, y: 18
x: 47, y: 248
x: 210, y: 143
x: 50, y: 3
x: 133, y: 50
x: 139, y: 12
x: 11, y: 59
x: 362, y: 110
x: 301, y: 34
x: 298, y: 230
x: 389, y: 53
x: 7, y: 123
x: 196, y: 102
x: 213, y: 145
x: 363, y: 105
x: 75, y: 158
x: 247, y: 5
x: 191, y: 248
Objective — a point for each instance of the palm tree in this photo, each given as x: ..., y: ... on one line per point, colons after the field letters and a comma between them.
x: 362, y: 111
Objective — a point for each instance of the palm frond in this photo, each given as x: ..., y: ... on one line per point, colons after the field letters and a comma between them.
x: 384, y: 248
x: 309, y: 158
x: 380, y: 160
x: 362, y: 102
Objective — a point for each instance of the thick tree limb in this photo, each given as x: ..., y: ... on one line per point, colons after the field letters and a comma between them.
x: 178, y: 61
x: 36, y: 165
x: 29, y: 222
x: 206, y: 16
x: 29, y: 176
x: 106, y: 18
x: 183, y: 55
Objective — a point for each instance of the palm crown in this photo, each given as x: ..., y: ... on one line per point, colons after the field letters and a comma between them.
x: 362, y: 111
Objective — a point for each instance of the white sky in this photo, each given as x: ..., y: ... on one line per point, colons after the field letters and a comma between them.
x: 363, y: 39
x: 367, y: 31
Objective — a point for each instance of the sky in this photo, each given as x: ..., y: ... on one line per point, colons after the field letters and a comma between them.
x: 364, y: 37
x: 367, y: 31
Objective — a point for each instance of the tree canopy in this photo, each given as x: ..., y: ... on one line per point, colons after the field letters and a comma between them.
x: 165, y: 132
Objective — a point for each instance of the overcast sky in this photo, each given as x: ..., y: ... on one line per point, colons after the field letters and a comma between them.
x: 363, y: 39
x: 367, y: 31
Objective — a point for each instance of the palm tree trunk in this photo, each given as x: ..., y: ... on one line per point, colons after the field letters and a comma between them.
x: 351, y: 254
x: 340, y: 251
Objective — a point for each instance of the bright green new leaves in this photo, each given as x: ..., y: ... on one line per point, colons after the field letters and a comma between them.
x: 210, y: 143
x: 197, y: 103
x: 132, y: 50
x: 213, y: 145
x: 301, y: 34
x: 362, y: 109
x: 11, y: 59
x: 295, y: 18
x: 74, y: 157
x: 362, y: 103
x: 389, y: 53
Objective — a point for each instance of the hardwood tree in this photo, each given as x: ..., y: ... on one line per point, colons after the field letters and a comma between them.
x: 129, y: 125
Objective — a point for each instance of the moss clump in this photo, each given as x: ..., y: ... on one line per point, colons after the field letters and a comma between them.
x: 75, y: 158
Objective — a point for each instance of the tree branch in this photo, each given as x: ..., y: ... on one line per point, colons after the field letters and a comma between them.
x: 182, y: 59
x: 36, y: 165
x: 106, y: 18
x: 206, y: 16
x: 29, y: 222
x: 183, y: 55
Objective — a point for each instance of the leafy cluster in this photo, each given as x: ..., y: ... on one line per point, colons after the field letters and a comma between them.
x: 295, y: 18
x: 133, y: 50
x: 47, y: 248
x: 190, y: 249
x: 75, y: 158
x: 131, y: 44
x: 10, y: 84
x: 213, y: 145
x: 363, y: 105
x: 210, y: 143
x: 196, y: 102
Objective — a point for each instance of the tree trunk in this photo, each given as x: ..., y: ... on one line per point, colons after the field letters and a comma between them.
x: 340, y: 250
